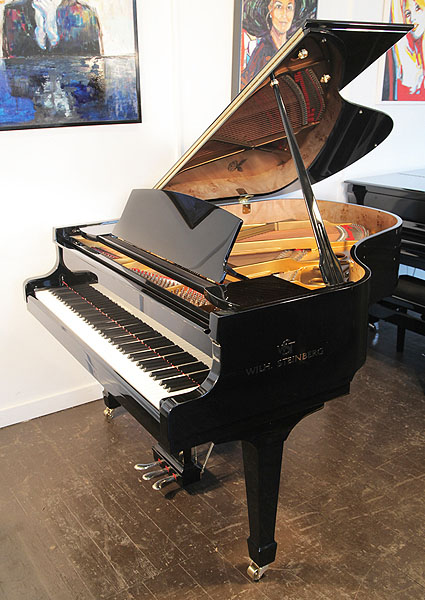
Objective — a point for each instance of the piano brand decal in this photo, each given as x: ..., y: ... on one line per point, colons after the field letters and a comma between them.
x: 288, y: 357
x: 285, y: 348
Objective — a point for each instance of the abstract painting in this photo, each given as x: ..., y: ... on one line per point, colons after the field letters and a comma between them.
x: 261, y: 28
x: 404, y: 71
x: 68, y: 62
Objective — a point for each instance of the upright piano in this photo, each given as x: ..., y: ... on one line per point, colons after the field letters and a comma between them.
x: 403, y: 194
x: 215, y: 310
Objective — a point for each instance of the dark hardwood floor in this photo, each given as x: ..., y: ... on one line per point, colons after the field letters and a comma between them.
x: 77, y: 521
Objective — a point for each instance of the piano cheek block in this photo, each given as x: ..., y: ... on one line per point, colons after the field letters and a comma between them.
x: 213, y: 310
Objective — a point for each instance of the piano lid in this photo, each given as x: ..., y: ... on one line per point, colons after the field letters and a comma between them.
x: 244, y: 152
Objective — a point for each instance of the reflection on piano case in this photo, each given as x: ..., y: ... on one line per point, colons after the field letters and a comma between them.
x: 213, y: 311
x: 404, y: 195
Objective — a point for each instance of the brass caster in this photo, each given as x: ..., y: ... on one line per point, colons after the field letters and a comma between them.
x: 255, y: 572
x: 109, y: 413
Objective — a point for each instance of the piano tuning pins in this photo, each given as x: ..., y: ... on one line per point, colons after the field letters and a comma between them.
x: 182, y: 291
x: 191, y: 296
x: 156, y: 278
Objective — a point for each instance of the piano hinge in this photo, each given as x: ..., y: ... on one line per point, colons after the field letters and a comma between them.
x: 245, y: 200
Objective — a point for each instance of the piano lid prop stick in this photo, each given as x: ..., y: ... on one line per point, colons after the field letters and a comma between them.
x: 328, y: 263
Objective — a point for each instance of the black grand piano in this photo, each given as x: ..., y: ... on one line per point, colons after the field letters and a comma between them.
x: 403, y: 194
x: 214, y: 310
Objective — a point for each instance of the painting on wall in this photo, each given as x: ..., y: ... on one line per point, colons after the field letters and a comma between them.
x: 261, y: 28
x: 68, y: 62
x: 403, y: 70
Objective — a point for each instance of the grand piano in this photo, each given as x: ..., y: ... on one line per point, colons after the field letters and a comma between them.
x: 214, y: 309
x: 403, y: 194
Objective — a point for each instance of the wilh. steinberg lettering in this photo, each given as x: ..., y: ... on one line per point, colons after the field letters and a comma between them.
x: 301, y: 357
x: 288, y: 357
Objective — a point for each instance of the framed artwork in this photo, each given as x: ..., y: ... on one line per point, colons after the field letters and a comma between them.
x: 68, y: 62
x: 403, y: 69
x: 261, y: 28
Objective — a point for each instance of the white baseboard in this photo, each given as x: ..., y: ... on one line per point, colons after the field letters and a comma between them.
x: 11, y: 415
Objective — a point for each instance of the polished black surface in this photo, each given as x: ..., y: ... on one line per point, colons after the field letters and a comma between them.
x: 401, y: 193
x: 404, y: 194
x: 278, y: 351
x: 181, y: 229
x: 245, y: 151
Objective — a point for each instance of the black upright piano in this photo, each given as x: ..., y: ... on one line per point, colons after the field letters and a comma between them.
x: 403, y: 194
x: 214, y: 310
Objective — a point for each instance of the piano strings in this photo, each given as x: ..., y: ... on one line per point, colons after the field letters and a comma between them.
x: 286, y: 249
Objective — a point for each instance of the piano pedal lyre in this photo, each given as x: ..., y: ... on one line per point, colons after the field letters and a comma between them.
x: 184, y: 469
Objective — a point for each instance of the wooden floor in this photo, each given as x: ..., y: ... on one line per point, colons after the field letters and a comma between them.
x: 77, y: 522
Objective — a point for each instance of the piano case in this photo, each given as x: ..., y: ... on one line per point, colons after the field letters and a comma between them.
x: 206, y: 309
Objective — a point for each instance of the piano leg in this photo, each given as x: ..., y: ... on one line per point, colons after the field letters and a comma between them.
x: 111, y: 403
x: 262, y: 458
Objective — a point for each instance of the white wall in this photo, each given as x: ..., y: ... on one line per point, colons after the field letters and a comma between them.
x: 65, y: 176
x: 72, y: 175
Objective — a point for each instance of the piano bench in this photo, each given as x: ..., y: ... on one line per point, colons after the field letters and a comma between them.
x: 409, y: 295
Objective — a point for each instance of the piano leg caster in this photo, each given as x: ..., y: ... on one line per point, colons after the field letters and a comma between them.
x: 111, y: 404
x: 255, y: 572
x: 109, y: 413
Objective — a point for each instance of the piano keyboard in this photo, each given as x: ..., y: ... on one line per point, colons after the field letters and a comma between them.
x: 150, y: 362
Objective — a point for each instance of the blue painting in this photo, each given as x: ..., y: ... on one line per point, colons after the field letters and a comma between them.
x: 67, y: 62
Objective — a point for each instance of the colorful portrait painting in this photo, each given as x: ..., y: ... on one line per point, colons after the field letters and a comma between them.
x: 68, y: 62
x: 265, y: 26
x: 404, y: 71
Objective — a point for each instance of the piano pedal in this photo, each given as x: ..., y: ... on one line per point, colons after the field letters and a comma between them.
x: 145, y: 466
x: 180, y: 467
x: 255, y: 572
x: 154, y: 474
x: 158, y: 485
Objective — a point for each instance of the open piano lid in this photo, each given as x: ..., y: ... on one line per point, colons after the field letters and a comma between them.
x: 244, y: 153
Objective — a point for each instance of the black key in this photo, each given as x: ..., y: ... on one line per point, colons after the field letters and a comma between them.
x: 186, y: 369
x: 199, y: 376
x: 152, y: 364
x: 142, y: 355
x: 181, y: 359
x: 139, y: 327
x: 163, y: 352
x: 167, y: 362
x: 167, y: 351
x: 162, y: 374
x: 178, y: 383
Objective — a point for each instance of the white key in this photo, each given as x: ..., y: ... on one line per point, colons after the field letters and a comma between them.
x: 141, y: 381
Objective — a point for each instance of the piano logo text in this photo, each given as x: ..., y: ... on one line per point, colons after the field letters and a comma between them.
x: 290, y: 359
